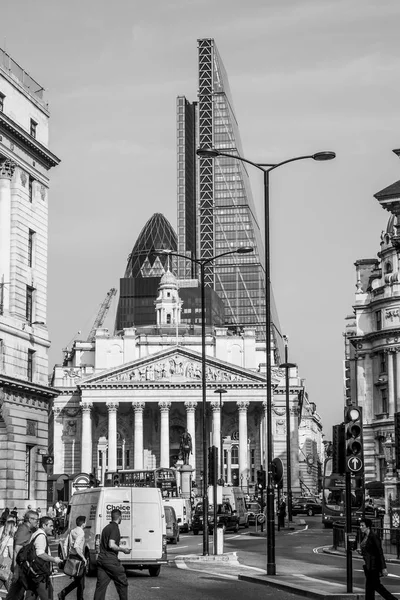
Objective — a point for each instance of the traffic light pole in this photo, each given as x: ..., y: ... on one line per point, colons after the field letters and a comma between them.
x: 349, y: 556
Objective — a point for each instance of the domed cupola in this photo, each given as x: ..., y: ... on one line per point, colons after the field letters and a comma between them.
x: 168, y: 303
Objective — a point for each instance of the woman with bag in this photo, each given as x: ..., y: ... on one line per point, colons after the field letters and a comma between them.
x: 74, y: 553
x: 6, y: 551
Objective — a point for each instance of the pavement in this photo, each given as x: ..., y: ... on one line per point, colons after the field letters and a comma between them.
x: 293, y: 576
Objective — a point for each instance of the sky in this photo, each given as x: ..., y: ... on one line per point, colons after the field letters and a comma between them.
x: 305, y: 76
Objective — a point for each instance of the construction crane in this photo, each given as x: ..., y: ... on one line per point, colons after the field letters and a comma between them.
x: 101, y: 315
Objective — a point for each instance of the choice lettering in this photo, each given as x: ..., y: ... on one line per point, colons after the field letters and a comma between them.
x: 121, y: 507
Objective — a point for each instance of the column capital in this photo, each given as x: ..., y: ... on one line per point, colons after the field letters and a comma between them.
x: 242, y: 405
x: 215, y: 405
x: 7, y: 168
x: 191, y: 405
x: 86, y: 407
x: 164, y: 405
x: 138, y: 406
x: 112, y: 406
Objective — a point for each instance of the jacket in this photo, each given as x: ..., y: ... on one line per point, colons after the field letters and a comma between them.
x: 373, y: 554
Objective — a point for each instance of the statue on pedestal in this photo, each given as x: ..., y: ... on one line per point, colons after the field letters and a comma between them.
x: 185, y: 448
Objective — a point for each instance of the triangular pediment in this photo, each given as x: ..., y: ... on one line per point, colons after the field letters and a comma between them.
x: 176, y: 366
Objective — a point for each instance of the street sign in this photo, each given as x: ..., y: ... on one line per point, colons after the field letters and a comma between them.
x: 354, y: 464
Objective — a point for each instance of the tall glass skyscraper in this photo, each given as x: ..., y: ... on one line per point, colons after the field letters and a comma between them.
x: 216, y: 211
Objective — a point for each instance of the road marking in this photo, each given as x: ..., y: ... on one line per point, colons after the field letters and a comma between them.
x: 298, y: 531
x: 324, y: 581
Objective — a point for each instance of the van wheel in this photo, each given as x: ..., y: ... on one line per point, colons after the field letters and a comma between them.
x: 154, y: 571
x: 310, y: 512
x: 90, y: 568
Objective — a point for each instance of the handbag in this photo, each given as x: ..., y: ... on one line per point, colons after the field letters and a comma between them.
x: 73, y: 567
x: 5, y: 568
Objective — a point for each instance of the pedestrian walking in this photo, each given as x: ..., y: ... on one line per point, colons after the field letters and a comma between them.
x: 21, y: 538
x: 108, y: 566
x: 40, y: 585
x: 74, y: 547
x: 7, y: 532
x: 4, y: 515
x: 282, y: 514
x: 375, y: 565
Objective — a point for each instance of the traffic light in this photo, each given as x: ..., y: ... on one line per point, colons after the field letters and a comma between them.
x: 212, y: 465
x: 397, y: 438
x: 116, y: 480
x: 47, y: 460
x: 353, y: 440
x: 277, y: 472
x: 338, y: 449
x: 261, y: 479
x: 92, y: 480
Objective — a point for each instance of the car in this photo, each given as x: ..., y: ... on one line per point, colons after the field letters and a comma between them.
x: 197, y: 520
x: 227, y: 517
x: 253, y: 510
x: 306, y: 506
x: 171, y: 523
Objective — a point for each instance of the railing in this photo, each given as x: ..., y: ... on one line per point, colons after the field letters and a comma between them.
x: 23, y: 77
x: 390, y: 538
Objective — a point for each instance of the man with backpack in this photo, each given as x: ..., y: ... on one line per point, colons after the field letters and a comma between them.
x: 37, y: 562
x: 21, y: 538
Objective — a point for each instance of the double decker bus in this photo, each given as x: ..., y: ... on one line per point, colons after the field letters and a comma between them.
x: 334, y: 496
x: 163, y: 478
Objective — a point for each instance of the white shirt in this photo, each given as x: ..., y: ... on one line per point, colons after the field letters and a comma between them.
x: 40, y: 543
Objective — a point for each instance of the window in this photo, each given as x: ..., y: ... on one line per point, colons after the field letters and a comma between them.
x: 30, y: 188
x: 378, y: 320
x: 384, y: 400
x: 383, y: 363
x: 31, y: 237
x: 28, y: 470
x: 2, y: 96
x: 33, y: 128
x: 29, y: 304
x: 29, y: 367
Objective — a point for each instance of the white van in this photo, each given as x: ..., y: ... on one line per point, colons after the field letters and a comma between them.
x: 142, y: 527
x: 183, y: 510
x: 237, y: 500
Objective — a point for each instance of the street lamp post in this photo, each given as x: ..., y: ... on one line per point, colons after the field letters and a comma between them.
x: 287, y: 365
x: 221, y: 391
x: 202, y: 262
x: 266, y: 168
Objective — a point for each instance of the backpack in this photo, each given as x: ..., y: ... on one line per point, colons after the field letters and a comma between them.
x: 32, y: 566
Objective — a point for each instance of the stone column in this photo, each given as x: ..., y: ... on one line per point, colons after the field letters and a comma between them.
x: 216, y: 427
x: 243, y: 405
x: 86, y: 442
x: 112, y: 435
x: 165, y: 405
x: 6, y: 172
x: 58, y: 446
x: 138, y: 407
x: 229, y: 465
x: 397, y: 399
x: 191, y: 406
x: 391, y: 389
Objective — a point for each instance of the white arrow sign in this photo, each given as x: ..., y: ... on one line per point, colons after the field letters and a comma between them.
x: 354, y: 464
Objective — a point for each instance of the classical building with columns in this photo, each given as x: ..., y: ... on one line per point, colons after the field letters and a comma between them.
x: 25, y: 161
x: 125, y: 400
x: 372, y: 336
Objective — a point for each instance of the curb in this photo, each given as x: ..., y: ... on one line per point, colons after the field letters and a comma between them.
x: 301, y: 591
x: 228, y: 557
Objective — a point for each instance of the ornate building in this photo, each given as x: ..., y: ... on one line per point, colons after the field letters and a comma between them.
x: 372, y: 337
x: 125, y: 400
x: 25, y: 161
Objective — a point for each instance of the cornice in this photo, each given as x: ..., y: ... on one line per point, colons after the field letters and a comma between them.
x: 38, y: 150
x: 243, y: 385
x: 376, y: 335
x: 27, y: 386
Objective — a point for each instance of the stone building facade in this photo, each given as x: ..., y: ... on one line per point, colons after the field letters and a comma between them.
x: 25, y: 161
x: 373, y: 344
x: 125, y: 400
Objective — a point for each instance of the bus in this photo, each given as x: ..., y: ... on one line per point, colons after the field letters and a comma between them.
x: 163, y: 478
x: 334, y: 496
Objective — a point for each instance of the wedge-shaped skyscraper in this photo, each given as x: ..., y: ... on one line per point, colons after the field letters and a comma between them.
x: 216, y: 211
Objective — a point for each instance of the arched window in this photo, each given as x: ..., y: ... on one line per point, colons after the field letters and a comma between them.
x: 388, y: 267
x: 235, y: 455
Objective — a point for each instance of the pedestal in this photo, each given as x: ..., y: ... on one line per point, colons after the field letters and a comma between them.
x: 391, y: 486
x: 186, y: 480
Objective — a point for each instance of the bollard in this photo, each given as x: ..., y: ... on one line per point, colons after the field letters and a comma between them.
x: 220, y: 539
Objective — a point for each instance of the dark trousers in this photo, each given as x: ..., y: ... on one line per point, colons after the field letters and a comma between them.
x: 79, y: 584
x: 39, y: 590
x: 373, y: 584
x: 18, y: 585
x: 110, y: 569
